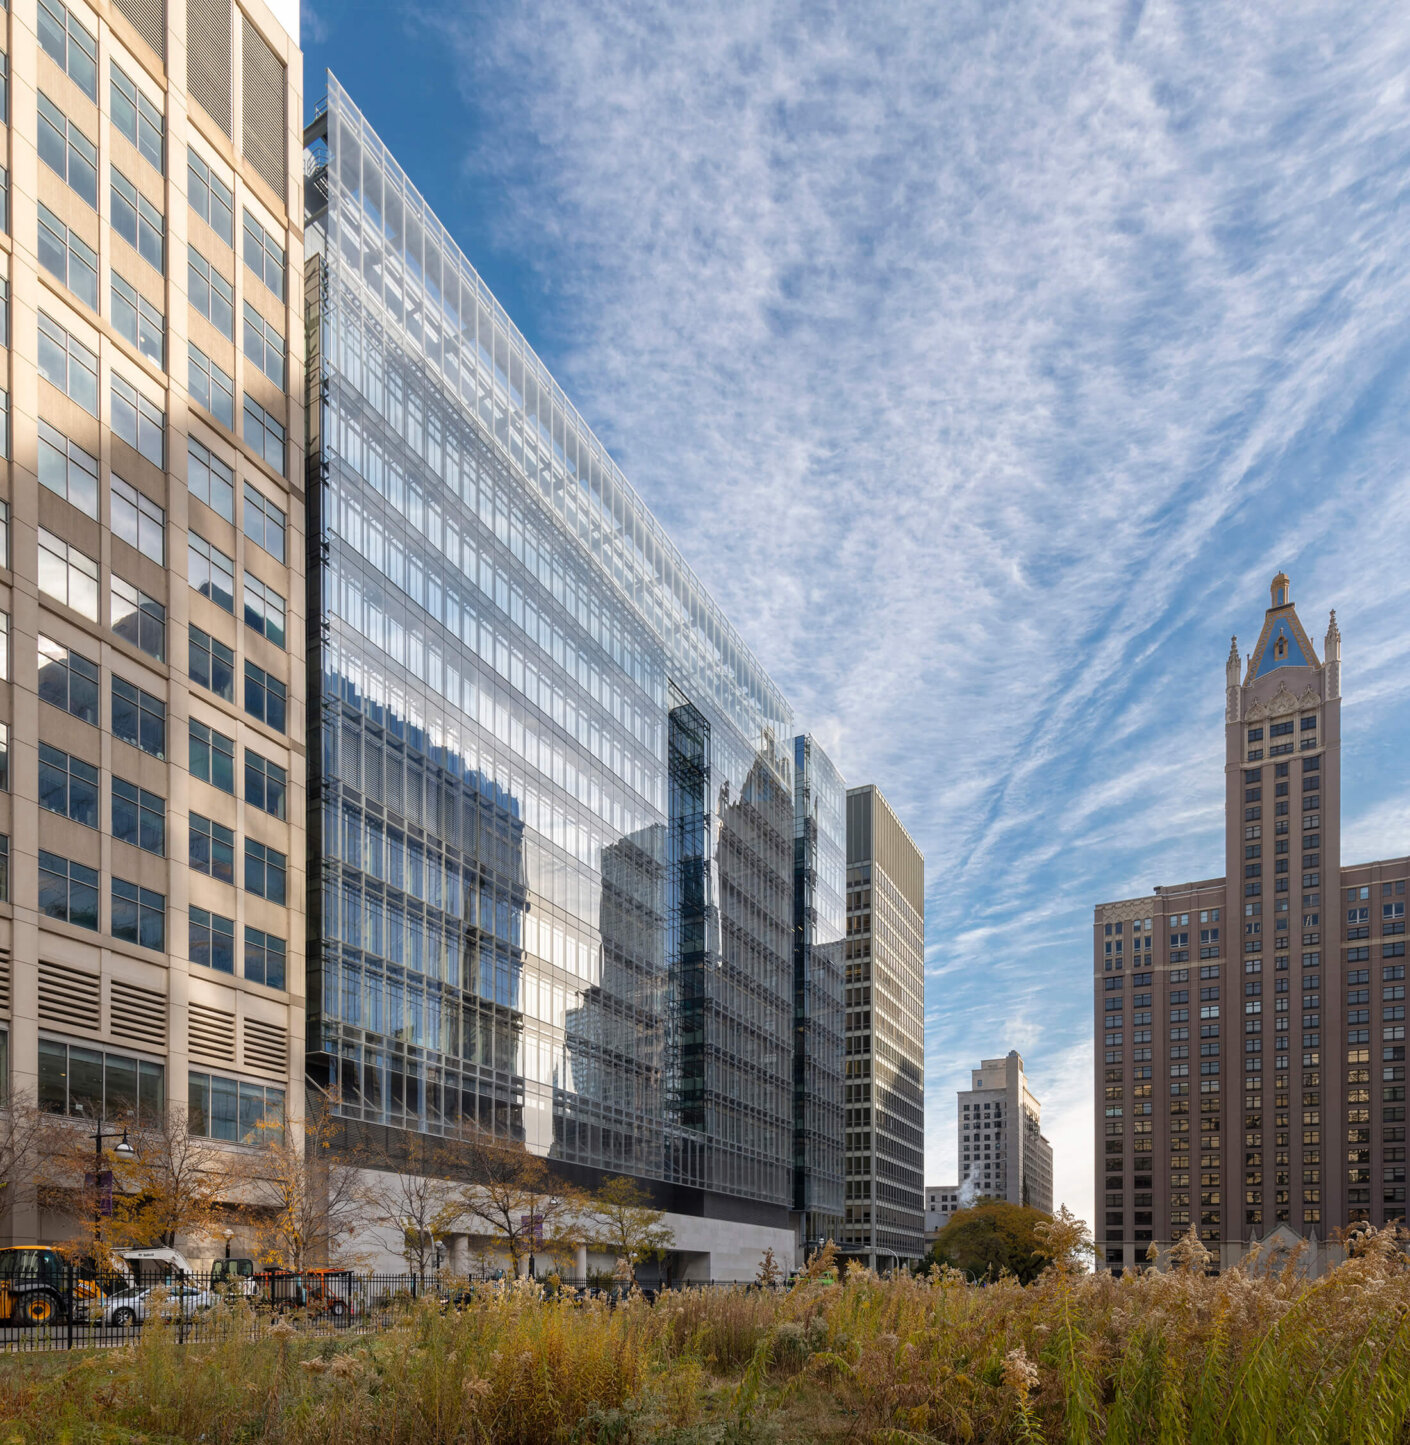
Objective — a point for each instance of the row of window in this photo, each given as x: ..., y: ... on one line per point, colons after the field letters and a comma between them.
x: 69, y: 786
x: 70, y: 681
x: 70, y: 577
x: 92, y: 1083
x: 69, y: 893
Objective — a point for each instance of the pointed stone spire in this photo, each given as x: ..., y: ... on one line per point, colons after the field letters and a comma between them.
x: 1233, y: 692
x: 1331, y: 655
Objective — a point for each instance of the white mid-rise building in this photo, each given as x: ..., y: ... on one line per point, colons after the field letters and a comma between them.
x: 1002, y: 1151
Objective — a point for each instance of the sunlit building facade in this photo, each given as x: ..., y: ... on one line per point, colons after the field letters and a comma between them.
x: 552, y: 792
x: 1250, y: 1028
x: 884, y: 1037
x: 151, y: 568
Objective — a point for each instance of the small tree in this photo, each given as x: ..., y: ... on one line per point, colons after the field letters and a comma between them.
x: 418, y: 1200
x: 304, y: 1196
x: 992, y: 1237
x: 515, y: 1194
x: 25, y: 1129
x: 174, y: 1185
x: 769, y: 1271
x: 625, y: 1224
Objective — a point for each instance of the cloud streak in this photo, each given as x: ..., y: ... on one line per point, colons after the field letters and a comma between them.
x: 985, y: 361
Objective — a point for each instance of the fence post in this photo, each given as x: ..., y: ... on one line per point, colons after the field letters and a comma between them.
x: 69, y: 1308
x: 413, y: 1284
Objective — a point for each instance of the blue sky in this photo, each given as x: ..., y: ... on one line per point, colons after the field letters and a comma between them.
x: 986, y: 360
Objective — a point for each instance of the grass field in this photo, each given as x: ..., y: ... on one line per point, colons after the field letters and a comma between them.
x: 1164, y: 1356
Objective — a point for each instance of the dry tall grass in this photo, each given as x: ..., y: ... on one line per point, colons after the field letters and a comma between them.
x: 1170, y: 1356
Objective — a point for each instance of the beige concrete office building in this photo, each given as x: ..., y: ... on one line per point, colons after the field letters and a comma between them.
x: 1250, y: 1028
x: 152, y: 817
x: 1002, y: 1151
x: 884, y: 1050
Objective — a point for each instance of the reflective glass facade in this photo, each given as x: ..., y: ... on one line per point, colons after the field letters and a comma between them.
x: 819, y: 921
x: 551, y: 790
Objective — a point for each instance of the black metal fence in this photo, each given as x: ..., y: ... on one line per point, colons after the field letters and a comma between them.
x: 62, y: 1306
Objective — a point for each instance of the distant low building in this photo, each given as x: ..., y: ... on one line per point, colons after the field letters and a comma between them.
x: 941, y: 1202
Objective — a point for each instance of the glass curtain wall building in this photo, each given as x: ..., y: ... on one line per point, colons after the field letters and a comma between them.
x: 819, y: 923
x: 551, y: 790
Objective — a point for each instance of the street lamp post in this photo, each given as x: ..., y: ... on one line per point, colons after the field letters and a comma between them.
x: 124, y: 1151
x: 229, y: 1235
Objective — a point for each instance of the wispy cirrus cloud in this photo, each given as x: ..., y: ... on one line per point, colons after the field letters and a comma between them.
x: 986, y: 360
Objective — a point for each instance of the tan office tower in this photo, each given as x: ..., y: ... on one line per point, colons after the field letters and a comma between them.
x: 151, y: 929
x: 1003, y: 1153
x: 884, y: 1058
x: 1250, y: 1076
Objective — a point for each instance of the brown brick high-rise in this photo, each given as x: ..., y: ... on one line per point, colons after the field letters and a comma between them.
x: 1250, y: 1029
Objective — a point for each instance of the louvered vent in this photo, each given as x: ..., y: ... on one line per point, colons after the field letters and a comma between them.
x: 137, y: 1014
x: 211, y: 1034
x: 69, y: 997
x: 208, y: 25
x: 6, y: 981
x: 148, y: 19
x: 266, y: 1047
x: 264, y: 108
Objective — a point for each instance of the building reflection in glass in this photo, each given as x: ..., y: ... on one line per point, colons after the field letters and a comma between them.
x: 553, y: 832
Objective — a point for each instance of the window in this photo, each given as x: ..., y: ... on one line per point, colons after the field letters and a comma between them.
x: 212, y: 849
x: 4, y: 87
x: 139, y: 817
x: 68, y: 681
x: 68, y: 786
x: 4, y: 894
x: 134, y: 116
x: 5, y: 656
x: 67, y: 151
x: 210, y: 198
x: 138, y: 221
x: 211, y: 387
x: 263, y: 434
x: 264, y: 523
x: 265, y: 347
x: 264, y: 958
x: 5, y: 200
x: 210, y: 571
x: 208, y: 478
x: 91, y: 1084
x: 4, y: 312
x: 212, y: 757
x: 135, y: 318
x: 68, y: 258
x: 212, y: 940
x: 139, y: 915
x: 138, y: 619
x: 65, y: 468
x: 139, y: 422
x: 212, y: 664
x: 266, y: 784
x: 137, y: 520
x: 241, y: 1112
x: 68, y: 364
x: 264, y: 871
x: 264, y: 610
x: 70, y: 44
x: 211, y: 294
x: 68, y: 575
x: 265, y: 697
x: 68, y: 891
x: 264, y: 255
x: 139, y: 718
